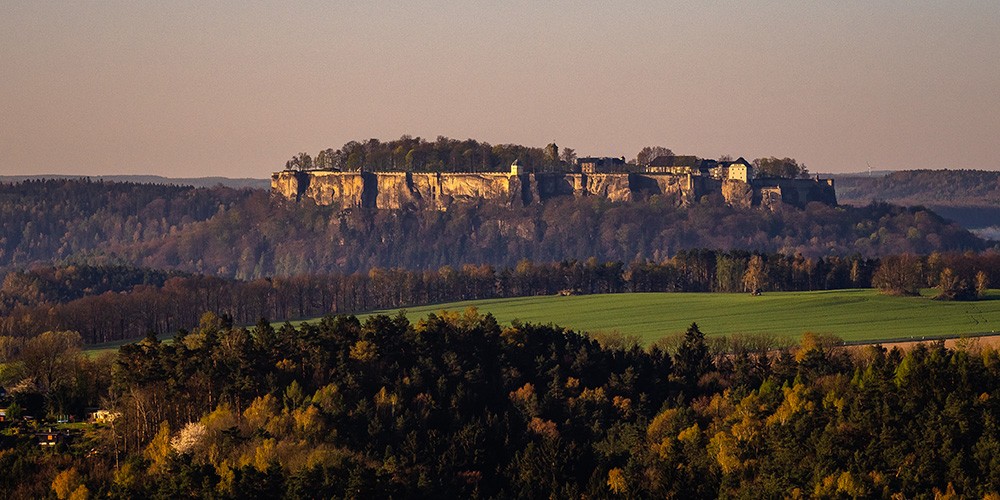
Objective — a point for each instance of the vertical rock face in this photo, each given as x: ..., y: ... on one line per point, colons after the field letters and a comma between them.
x: 615, y: 187
x: 550, y: 185
x: 797, y: 192
x: 436, y: 191
x: 286, y: 183
x: 427, y: 187
x: 396, y: 190
x: 470, y: 187
x: 325, y: 188
x: 737, y: 193
x: 336, y: 188
x: 679, y: 189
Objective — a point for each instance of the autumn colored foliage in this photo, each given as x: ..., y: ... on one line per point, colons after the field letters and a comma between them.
x: 458, y: 406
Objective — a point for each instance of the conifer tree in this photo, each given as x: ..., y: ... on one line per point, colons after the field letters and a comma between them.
x: 692, y: 359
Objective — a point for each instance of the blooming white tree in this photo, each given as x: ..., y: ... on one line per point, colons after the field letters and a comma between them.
x: 190, y: 438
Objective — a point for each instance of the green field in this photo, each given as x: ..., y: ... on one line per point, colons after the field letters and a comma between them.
x: 849, y: 314
x: 95, y: 349
x: 853, y: 315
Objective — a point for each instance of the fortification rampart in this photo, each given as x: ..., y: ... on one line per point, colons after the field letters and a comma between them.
x: 395, y: 190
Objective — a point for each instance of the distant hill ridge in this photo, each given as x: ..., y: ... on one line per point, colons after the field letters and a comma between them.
x: 924, y: 187
x: 969, y: 197
x: 202, y: 182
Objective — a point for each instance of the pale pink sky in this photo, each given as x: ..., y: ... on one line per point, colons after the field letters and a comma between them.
x: 234, y: 88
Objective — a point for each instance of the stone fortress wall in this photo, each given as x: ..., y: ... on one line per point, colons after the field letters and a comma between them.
x: 437, y: 191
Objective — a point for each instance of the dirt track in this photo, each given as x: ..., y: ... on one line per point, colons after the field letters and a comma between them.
x: 989, y: 340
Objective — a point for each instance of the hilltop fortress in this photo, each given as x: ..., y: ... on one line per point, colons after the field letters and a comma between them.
x: 681, y: 179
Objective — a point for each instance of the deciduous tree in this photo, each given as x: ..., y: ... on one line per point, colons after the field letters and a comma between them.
x: 649, y: 153
x: 786, y: 167
x: 898, y: 275
x: 755, y: 278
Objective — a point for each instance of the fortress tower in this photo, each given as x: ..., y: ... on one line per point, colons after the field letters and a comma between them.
x: 517, y: 169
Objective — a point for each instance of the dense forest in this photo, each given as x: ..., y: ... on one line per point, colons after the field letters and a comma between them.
x: 113, y: 303
x: 291, y: 239
x: 58, y: 220
x: 248, y: 234
x: 457, y: 406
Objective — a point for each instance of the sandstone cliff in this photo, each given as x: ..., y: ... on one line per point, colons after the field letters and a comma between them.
x: 397, y: 190
x: 286, y: 183
x: 551, y: 185
x: 677, y: 189
x: 737, y: 193
x: 437, y: 191
x: 324, y: 188
x: 345, y: 189
x: 615, y: 187
x: 488, y: 186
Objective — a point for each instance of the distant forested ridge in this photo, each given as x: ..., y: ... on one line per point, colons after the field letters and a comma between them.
x: 923, y: 187
x: 248, y: 234
x: 970, y: 197
x: 205, y: 182
x: 45, y: 221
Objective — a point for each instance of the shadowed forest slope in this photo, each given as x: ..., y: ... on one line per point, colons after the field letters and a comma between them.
x: 249, y: 234
x: 969, y: 197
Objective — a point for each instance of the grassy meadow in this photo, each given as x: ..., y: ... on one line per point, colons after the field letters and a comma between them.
x: 853, y: 315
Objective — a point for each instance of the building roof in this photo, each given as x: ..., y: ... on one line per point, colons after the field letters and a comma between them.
x: 675, y: 161
x: 600, y: 159
x: 738, y: 161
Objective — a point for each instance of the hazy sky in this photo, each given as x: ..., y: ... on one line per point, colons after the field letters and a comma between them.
x: 235, y: 88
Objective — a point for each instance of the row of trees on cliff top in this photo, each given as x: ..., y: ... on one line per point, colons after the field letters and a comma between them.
x: 456, y: 406
x: 452, y: 155
x: 442, y: 155
x: 33, y: 302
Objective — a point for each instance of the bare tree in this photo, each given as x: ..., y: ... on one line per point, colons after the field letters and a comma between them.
x: 649, y: 153
x: 52, y: 360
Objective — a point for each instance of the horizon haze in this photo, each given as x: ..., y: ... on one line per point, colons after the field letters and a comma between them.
x: 194, y: 89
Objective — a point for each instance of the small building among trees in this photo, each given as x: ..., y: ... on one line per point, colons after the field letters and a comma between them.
x: 50, y: 439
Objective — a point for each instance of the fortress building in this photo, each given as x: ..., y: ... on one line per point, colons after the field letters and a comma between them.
x: 593, y: 165
x: 680, y: 179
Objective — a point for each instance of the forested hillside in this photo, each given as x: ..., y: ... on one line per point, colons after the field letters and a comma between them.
x: 56, y: 220
x: 456, y: 406
x: 923, y: 187
x: 969, y: 197
x: 249, y: 234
